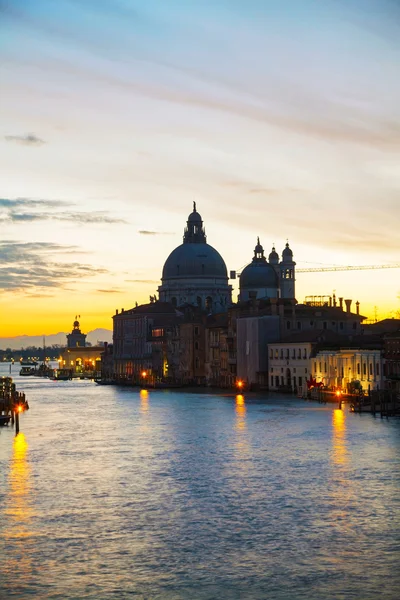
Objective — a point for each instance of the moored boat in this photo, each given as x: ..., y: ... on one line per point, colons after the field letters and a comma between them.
x: 27, y: 371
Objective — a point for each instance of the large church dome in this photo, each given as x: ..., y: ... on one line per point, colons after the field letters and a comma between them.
x: 195, y: 272
x: 194, y: 260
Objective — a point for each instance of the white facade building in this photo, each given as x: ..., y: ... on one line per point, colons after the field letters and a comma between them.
x: 344, y: 367
x: 289, y: 364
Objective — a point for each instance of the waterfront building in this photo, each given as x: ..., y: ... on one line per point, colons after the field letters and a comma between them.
x: 314, y: 316
x: 133, y: 338
x: 392, y: 360
x: 80, y: 359
x: 195, y: 273
x: 290, y: 362
x: 217, y: 352
x: 349, y: 369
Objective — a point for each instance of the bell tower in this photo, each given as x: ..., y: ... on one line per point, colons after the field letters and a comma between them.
x: 287, y: 273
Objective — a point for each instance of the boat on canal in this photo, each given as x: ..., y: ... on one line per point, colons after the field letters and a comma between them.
x: 27, y: 371
x: 62, y: 375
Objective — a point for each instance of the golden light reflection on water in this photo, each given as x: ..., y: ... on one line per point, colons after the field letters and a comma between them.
x: 339, y: 448
x: 18, y: 507
x: 240, y: 409
x: 144, y: 401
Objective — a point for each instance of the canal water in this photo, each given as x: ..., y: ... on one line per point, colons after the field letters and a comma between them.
x: 112, y: 493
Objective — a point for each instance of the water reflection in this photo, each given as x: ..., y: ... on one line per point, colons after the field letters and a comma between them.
x: 144, y: 401
x: 339, y: 447
x: 18, y: 506
x: 240, y: 409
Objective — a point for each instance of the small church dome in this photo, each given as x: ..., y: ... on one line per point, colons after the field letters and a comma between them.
x: 259, y: 273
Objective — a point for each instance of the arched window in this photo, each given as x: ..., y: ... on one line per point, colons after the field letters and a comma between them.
x: 209, y: 303
x: 173, y: 301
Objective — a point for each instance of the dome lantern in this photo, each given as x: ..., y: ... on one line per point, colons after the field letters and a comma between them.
x: 194, y: 231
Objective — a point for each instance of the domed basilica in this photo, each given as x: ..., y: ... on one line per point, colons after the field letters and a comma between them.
x: 195, y: 273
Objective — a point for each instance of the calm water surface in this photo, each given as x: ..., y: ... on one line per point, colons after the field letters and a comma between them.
x: 115, y: 493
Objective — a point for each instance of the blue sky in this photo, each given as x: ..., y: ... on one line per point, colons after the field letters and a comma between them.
x: 281, y: 119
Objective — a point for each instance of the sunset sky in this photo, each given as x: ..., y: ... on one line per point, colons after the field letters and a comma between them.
x: 280, y: 118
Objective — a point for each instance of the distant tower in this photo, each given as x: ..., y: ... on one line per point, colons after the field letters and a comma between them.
x: 287, y: 269
x: 76, y: 339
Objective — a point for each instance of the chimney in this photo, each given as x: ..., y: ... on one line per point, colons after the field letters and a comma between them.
x: 116, y: 311
x: 357, y: 307
x: 341, y: 303
x: 330, y: 301
x: 348, y: 306
x: 334, y: 299
x: 122, y: 310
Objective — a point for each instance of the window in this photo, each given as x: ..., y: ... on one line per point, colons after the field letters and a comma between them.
x: 294, y: 353
x: 365, y: 368
x: 370, y: 368
x: 277, y: 380
x: 272, y: 381
x: 197, y: 362
x: 324, y: 367
x: 299, y: 353
x: 196, y: 331
x: 320, y: 367
x: 377, y: 368
x: 305, y: 371
x: 300, y: 381
x: 298, y: 324
x: 305, y: 353
x: 287, y: 353
x: 315, y: 367
x: 196, y: 345
x: 276, y: 352
x: 287, y: 324
x: 272, y: 369
x: 341, y: 325
x: 271, y: 353
x: 281, y: 352
x: 358, y: 368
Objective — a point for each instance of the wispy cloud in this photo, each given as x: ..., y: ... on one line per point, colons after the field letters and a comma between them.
x: 14, y: 207
x: 30, y: 266
x: 152, y: 281
x: 146, y: 232
x: 25, y: 140
x: 109, y: 291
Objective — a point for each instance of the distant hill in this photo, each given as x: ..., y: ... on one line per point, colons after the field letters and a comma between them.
x: 22, y: 341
